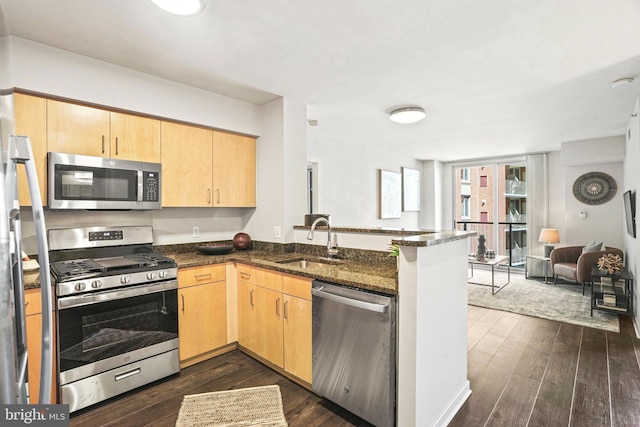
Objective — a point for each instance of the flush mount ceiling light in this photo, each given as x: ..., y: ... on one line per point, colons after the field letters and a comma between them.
x: 181, y: 7
x: 407, y: 115
x: 622, y: 82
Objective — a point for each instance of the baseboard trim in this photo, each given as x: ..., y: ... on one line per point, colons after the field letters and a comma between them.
x: 454, y: 406
x: 636, y: 328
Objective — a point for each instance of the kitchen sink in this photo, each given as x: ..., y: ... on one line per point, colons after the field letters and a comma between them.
x: 309, y: 265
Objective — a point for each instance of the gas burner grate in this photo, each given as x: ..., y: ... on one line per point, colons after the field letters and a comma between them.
x: 76, y: 267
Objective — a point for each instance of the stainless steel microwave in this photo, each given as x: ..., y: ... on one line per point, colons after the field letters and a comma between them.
x: 87, y: 182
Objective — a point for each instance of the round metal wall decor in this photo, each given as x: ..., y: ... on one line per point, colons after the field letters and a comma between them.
x: 594, y: 188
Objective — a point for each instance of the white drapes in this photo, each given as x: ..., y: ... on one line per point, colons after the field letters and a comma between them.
x: 537, y: 200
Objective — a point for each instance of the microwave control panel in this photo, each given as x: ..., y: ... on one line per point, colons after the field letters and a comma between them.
x: 151, y: 187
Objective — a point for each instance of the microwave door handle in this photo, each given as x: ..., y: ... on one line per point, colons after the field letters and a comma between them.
x: 24, y: 154
x: 140, y: 185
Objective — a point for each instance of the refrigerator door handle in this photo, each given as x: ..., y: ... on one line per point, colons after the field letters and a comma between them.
x: 21, y: 152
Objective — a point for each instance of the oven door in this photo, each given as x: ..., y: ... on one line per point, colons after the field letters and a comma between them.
x: 103, y: 330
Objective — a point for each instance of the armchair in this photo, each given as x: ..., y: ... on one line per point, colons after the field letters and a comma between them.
x: 570, y: 263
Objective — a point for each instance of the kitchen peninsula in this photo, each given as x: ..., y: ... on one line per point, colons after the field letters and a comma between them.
x: 432, y: 312
x: 432, y: 327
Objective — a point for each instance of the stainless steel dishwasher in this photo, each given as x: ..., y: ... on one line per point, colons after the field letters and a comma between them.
x: 354, y: 351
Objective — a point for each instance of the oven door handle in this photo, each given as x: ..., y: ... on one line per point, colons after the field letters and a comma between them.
x: 116, y: 294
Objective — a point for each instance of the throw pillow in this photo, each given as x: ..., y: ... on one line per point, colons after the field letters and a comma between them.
x: 592, y: 247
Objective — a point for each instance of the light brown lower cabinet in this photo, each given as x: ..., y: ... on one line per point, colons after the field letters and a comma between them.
x: 247, y: 316
x: 274, y: 318
x: 202, y: 310
x: 33, y: 320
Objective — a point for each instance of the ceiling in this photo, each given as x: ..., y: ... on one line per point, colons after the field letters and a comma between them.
x: 497, y: 77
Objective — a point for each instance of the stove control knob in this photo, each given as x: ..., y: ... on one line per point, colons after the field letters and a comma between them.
x: 151, y: 276
x: 125, y: 279
x: 80, y: 286
x: 96, y: 284
x: 163, y: 274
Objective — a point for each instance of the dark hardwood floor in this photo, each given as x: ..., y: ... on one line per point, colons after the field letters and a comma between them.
x: 524, y: 371
x: 531, y: 372
x: 158, y: 404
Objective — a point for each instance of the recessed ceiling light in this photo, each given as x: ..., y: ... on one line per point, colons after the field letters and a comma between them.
x: 621, y: 82
x: 407, y: 115
x: 181, y: 7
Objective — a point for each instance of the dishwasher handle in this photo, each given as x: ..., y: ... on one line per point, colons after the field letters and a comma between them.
x: 365, y: 305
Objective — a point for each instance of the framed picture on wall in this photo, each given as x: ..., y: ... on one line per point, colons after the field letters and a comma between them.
x: 410, y: 190
x: 389, y: 194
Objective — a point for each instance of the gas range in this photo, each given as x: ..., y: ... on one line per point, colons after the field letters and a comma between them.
x: 99, y: 258
x: 116, y: 312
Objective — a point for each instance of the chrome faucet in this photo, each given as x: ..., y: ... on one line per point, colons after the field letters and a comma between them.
x: 330, y: 249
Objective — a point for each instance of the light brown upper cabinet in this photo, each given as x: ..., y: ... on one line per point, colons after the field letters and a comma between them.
x: 135, y: 138
x: 186, y: 165
x: 89, y: 131
x: 77, y: 129
x: 202, y: 168
x: 234, y: 170
x: 31, y: 121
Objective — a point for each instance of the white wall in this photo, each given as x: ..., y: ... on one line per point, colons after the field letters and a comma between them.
x: 281, y: 172
x: 42, y: 68
x: 603, y: 222
x: 632, y: 182
x: 349, y: 180
x: 433, y: 213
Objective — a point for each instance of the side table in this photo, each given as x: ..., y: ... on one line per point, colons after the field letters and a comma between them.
x: 492, y: 262
x: 612, y: 292
x: 547, y: 265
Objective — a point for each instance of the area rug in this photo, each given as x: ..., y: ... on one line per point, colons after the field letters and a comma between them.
x: 257, y: 406
x: 562, y: 302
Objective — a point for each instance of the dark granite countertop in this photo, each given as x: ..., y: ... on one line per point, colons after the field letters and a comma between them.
x: 377, y: 277
x: 374, y: 277
x: 431, y: 239
x: 369, y: 230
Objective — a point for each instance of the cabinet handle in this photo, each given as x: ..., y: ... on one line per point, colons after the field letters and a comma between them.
x: 251, y: 297
x: 217, y: 196
x: 203, y: 276
x: 182, y: 295
x: 286, y: 309
x: 277, y: 306
x: 102, y: 144
x: 116, y: 145
x: 208, y: 195
x: 245, y: 275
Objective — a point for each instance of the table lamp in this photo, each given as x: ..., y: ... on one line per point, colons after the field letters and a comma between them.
x: 548, y: 235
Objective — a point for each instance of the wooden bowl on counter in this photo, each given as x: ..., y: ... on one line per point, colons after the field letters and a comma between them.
x: 214, y: 248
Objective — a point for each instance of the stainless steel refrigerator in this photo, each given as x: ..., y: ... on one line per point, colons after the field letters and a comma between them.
x: 14, y: 358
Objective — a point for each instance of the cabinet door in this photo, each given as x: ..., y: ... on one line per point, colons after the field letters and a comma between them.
x: 247, y: 316
x: 234, y: 170
x: 202, y: 319
x: 77, y: 129
x: 270, y: 335
x: 186, y: 166
x: 31, y: 120
x: 297, y: 337
x: 135, y: 138
x: 34, y: 346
